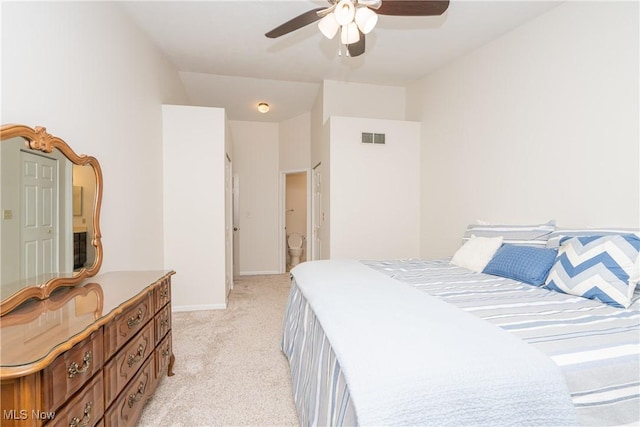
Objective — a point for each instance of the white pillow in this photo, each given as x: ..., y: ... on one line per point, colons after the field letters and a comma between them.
x: 476, y: 253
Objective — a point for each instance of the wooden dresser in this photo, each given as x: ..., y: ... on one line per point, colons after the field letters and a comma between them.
x: 89, y: 355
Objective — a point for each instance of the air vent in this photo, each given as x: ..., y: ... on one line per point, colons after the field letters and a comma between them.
x: 372, y: 138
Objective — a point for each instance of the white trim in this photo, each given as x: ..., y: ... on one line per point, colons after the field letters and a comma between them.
x: 282, y: 259
x: 258, y: 273
x: 180, y: 308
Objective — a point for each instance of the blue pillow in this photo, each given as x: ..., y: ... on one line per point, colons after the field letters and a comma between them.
x: 604, y: 268
x: 526, y: 264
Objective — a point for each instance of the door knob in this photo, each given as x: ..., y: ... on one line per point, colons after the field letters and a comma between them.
x: 236, y: 228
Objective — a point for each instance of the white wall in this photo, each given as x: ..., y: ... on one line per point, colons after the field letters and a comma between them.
x: 84, y: 71
x: 316, y: 127
x: 194, y: 204
x: 540, y: 124
x: 255, y: 160
x: 345, y: 99
x: 10, y: 269
x: 363, y: 100
x: 375, y: 189
x: 295, y: 143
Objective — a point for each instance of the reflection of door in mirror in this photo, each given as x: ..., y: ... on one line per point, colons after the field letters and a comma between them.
x: 85, y: 178
x: 36, y: 226
x: 38, y: 215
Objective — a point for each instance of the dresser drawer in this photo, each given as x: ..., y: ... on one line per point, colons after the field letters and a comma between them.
x: 162, y: 294
x: 126, y: 409
x: 71, y: 370
x: 127, y: 324
x: 163, y: 322
x: 85, y: 409
x: 164, y: 351
x: 124, y: 365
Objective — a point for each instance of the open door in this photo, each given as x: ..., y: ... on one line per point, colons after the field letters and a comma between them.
x: 316, y: 215
x: 236, y: 225
x: 228, y: 225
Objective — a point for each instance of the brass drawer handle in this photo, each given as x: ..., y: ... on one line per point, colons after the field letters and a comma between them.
x: 135, y: 320
x: 135, y: 358
x: 166, y: 352
x: 133, y: 398
x: 164, y: 293
x: 164, y: 322
x: 86, y: 363
x: 86, y: 419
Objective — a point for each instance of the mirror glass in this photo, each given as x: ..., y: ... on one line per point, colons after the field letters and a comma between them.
x: 49, y: 213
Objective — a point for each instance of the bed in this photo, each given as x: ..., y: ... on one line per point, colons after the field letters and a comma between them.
x: 429, y: 342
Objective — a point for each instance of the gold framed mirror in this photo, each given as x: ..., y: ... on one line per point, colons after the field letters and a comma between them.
x: 50, y: 200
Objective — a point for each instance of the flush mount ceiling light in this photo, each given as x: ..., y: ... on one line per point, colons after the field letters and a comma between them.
x: 356, y: 18
x: 263, y: 107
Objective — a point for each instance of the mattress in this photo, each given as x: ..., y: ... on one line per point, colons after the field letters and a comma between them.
x: 595, y: 346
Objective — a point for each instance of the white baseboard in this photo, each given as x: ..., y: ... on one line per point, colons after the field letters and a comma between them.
x: 257, y: 273
x: 180, y: 308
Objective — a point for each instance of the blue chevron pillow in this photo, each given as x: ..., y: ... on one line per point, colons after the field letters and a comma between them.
x: 606, y: 268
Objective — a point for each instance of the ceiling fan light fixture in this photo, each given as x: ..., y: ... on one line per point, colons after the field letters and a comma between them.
x: 366, y: 19
x: 356, y: 18
x: 328, y: 26
x: 344, y: 12
x: 263, y: 107
x: 349, y: 34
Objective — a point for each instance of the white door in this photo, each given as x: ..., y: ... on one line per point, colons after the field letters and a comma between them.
x: 236, y: 225
x: 228, y: 225
x: 39, y: 241
x: 316, y: 212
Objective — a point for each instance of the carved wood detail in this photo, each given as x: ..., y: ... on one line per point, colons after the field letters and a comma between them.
x: 39, y: 139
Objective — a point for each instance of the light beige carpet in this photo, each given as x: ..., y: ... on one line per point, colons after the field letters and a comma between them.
x: 229, y: 369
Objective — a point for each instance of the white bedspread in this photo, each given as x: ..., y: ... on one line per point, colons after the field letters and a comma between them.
x: 412, y: 359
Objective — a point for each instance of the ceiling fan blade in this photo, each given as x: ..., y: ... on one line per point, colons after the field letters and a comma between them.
x: 295, y: 23
x: 372, y: 4
x: 413, y: 7
x: 357, y: 48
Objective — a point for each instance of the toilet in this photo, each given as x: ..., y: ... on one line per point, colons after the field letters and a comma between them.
x: 295, y: 242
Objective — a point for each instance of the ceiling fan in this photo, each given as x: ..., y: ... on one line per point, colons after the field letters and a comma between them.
x: 355, y: 18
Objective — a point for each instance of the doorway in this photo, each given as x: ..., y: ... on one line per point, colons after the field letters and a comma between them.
x: 295, y: 216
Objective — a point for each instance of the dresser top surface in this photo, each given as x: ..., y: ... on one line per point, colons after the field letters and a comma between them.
x: 34, y: 330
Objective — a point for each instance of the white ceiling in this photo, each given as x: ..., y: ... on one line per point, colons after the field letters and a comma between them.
x: 226, y: 61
